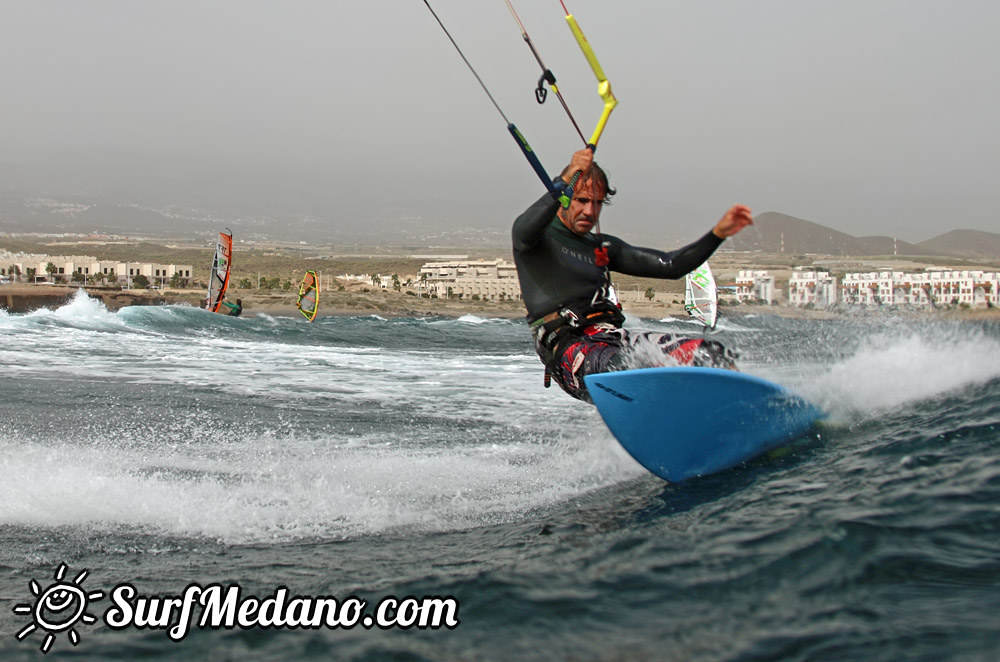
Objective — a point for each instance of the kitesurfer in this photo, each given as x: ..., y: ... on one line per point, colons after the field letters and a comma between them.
x: 564, y: 267
x: 235, y: 309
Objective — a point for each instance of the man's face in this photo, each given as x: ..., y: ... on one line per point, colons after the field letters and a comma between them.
x: 585, y: 207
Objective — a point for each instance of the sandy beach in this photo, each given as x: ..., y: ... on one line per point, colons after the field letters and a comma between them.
x: 393, y: 304
x: 20, y: 298
x: 23, y: 298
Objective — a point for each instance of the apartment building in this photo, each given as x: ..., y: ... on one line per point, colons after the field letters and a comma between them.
x: 812, y: 288
x: 64, y: 267
x: 755, y: 286
x: 933, y: 287
x: 487, y: 279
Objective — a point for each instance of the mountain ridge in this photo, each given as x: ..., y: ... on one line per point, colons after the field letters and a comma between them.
x: 772, y: 232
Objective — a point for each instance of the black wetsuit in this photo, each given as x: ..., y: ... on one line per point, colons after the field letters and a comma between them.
x: 574, y: 318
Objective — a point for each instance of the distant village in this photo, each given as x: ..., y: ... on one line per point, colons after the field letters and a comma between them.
x: 492, y: 280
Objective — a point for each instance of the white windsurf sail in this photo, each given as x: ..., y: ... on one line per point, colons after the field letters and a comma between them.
x: 700, y: 296
x: 218, y: 278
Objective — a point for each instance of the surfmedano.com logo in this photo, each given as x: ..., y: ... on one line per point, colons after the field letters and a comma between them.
x: 60, y: 606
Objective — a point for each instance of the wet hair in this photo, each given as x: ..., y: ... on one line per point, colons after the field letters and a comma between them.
x: 597, y: 173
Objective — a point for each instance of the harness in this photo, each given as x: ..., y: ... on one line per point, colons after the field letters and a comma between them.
x: 549, y: 331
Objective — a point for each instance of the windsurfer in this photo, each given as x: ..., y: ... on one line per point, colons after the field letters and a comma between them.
x: 308, y: 301
x: 564, y: 265
x: 235, y: 309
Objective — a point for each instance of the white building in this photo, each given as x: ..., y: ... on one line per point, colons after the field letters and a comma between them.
x: 933, y: 287
x: 754, y: 286
x: 817, y: 288
x: 488, y: 279
x: 84, y: 266
x: 63, y: 267
x: 156, y: 274
x: 873, y: 288
x: 974, y: 288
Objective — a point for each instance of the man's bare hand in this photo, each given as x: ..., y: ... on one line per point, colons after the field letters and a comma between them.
x: 734, y: 220
x: 581, y: 162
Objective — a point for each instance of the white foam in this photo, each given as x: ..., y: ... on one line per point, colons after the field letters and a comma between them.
x: 528, y: 446
x: 278, y: 489
x: 82, y: 312
x: 890, y: 370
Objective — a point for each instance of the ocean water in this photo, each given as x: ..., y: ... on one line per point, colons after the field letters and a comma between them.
x: 163, y: 447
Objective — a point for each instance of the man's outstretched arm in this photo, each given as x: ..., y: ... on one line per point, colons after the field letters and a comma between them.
x: 652, y: 263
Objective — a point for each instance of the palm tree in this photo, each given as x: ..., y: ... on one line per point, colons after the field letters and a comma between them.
x: 376, y: 280
x: 395, y: 282
x: 650, y: 293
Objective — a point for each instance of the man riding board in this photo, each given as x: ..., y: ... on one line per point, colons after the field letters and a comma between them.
x: 565, y: 267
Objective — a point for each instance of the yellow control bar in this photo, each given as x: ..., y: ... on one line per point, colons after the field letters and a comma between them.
x: 603, y: 84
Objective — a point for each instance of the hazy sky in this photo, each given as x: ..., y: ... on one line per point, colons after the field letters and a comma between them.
x: 870, y: 116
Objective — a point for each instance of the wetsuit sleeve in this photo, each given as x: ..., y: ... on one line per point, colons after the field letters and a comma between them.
x: 529, y: 227
x: 651, y: 263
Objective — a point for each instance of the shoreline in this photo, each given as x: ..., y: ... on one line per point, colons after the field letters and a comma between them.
x: 22, y: 298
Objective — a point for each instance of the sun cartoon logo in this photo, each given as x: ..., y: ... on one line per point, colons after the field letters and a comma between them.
x: 58, y: 608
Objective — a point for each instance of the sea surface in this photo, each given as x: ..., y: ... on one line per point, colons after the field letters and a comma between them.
x: 164, y: 447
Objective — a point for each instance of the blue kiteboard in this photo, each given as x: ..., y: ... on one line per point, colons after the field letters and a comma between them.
x: 683, y: 422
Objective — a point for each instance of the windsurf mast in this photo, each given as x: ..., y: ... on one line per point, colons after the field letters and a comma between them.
x: 218, y: 277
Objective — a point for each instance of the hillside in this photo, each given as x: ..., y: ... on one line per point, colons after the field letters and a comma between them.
x: 974, y: 244
x: 772, y: 232
x: 779, y: 233
x: 84, y: 216
x: 894, y: 246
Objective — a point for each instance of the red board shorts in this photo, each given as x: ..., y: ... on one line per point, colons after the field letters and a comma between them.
x: 605, y: 348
